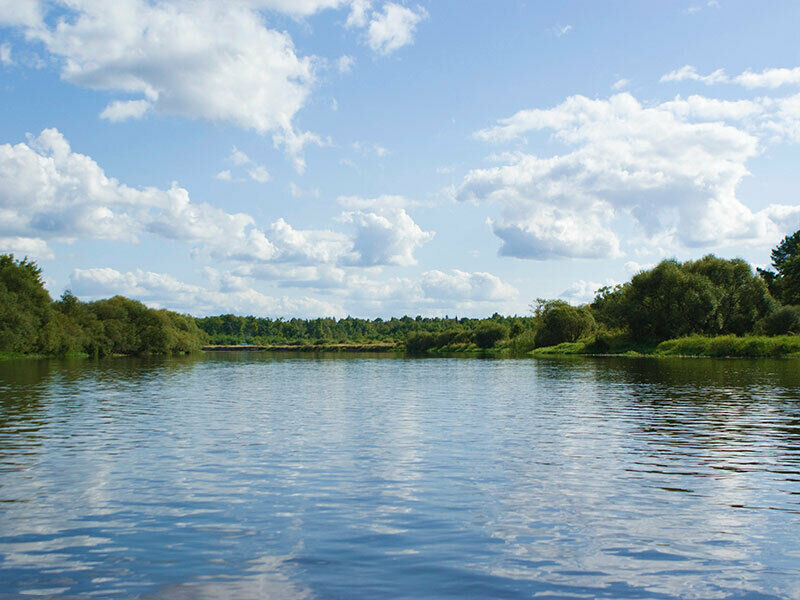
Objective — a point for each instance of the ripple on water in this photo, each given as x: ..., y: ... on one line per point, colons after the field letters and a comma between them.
x: 310, y: 477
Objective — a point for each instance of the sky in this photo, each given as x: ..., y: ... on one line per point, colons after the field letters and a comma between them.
x: 304, y: 158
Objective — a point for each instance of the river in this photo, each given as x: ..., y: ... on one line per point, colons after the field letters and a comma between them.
x: 346, y: 477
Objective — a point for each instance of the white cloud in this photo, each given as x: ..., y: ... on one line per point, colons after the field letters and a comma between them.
x: 238, y: 157
x: 669, y: 173
x: 161, y: 290
x: 17, y: 12
x: 206, y: 60
x: 259, y: 174
x: 254, y: 171
x: 620, y: 84
x: 122, y: 110
x: 688, y: 72
x: 48, y: 192
x: 308, y: 247
x: 583, y: 291
x: 393, y: 28
x: 359, y: 13
x: 387, y: 236
x: 5, y: 54
x: 769, y: 78
x: 345, y: 63
x: 461, y: 285
x: 25, y: 246
x: 432, y: 292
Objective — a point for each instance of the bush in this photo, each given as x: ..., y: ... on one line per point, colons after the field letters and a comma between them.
x: 783, y: 321
x: 523, y: 343
x: 561, y: 322
x: 418, y: 342
x: 486, y: 335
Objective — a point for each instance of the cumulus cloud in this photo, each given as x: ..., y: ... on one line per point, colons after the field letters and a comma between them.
x: 433, y: 292
x: 462, y: 285
x: 24, y: 246
x: 769, y: 78
x: 49, y: 192
x: 393, y: 28
x: 673, y: 167
x: 385, y: 236
x: 164, y: 291
x: 202, y: 60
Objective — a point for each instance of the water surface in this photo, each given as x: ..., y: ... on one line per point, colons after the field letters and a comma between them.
x: 275, y: 476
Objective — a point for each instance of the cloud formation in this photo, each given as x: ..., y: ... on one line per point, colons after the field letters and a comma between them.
x: 163, y: 291
x: 393, y: 28
x: 768, y: 78
x: 201, y: 60
x: 673, y: 167
x: 49, y: 192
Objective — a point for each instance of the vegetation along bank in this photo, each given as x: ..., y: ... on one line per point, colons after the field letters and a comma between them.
x: 706, y: 307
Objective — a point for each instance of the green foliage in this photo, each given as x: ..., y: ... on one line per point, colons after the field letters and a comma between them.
x: 30, y: 322
x: 731, y: 345
x: 560, y: 322
x: 785, y: 320
x: 523, y: 343
x: 742, y: 298
x: 486, y: 335
x: 418, y: 342
x: 784, y: 282
x: 669, y: 302
x: 24, y: 306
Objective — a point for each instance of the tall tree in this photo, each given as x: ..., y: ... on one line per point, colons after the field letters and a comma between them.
x: 784, y: 282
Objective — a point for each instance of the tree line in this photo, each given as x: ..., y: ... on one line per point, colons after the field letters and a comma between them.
x: 710, y: 296
x: 32, y: 323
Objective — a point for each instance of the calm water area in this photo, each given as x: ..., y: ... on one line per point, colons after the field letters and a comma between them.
x: 244, y: 475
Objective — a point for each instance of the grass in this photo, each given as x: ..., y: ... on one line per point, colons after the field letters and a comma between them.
x: 748, y: 346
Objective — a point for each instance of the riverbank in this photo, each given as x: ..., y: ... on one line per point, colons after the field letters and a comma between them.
x: 366, y: 347
x: 724, y: 346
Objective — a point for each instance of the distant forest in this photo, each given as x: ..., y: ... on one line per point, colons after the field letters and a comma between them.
x: 708, y: 297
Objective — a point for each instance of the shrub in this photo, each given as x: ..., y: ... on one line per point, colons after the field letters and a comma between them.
x: 783, y: 321
x: 418, y: 342
x: 561, y: 322
x: 487, y: 335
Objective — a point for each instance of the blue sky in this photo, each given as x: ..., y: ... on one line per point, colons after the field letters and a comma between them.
x: 333, y: 157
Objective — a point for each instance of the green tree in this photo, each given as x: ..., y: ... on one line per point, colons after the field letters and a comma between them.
x: 784, y: 282
x: 560, y: 322
x: 742, y: 298
x: 486, y: 335
x: 25, y: 310
x: 668, y: 302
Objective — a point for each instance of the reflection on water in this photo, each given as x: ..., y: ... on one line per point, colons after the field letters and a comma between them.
x: 261, y: 476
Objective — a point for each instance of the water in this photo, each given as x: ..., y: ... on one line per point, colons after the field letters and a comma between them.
x: 252, y: 476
